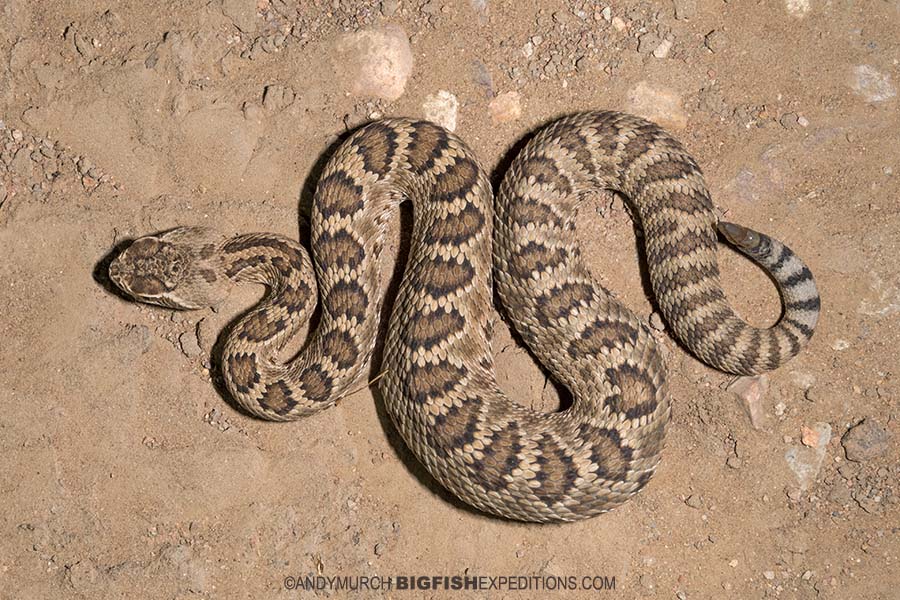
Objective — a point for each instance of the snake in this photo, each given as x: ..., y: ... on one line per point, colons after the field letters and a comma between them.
x: 437, y: 376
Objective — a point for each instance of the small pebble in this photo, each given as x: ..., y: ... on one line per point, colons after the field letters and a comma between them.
x: 685, y: 9
x: 797, y: 8
x: 693, y: 501
x: 663, y: 49
x: 865, y: 441
x: 656, y: 321
x: 770, y: 575
x: 189, y: 345
x: 442, y: 109
x: 212, y: 416
x: 805, y: 461
x: 662, y: 105
x: 871, y: 84
x: 482, y: 77
x: 389, y: 7
x: 789, y: 120
x: 840, y: 345
x: 376, y: 62
x: 648, y: 42
x: 528, y: 50
x: 506, y: 107
x: 714, y: 40
x: 751, y: 391
x: 809, y: 437
x: 562, y: 17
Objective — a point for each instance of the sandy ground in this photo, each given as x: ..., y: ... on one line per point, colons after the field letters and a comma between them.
x: 125, y: 473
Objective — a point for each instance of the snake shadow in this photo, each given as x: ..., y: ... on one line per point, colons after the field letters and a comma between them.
x: 100, y: 272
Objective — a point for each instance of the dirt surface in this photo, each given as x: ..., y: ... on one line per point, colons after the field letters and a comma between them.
x: 125, y: 473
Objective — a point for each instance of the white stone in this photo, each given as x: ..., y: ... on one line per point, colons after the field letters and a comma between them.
x: 751, y: 391
x: 442, y: 109
x: 797, y: 8
x: 805, y: 462
x: 871, y: 84
x: 528, y: 49
x: 883, y: 298
x: 657, y: 104
x: 662, y: 50
x: 840, y: 345
x: 375, y: 62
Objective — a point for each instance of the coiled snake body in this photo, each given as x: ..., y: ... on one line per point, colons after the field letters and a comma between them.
x: 439, y: 384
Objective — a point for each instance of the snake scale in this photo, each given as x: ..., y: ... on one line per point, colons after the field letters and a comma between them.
x: 438, y: 383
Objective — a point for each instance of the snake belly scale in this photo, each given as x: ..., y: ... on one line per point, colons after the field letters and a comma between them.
x: 438, y: 382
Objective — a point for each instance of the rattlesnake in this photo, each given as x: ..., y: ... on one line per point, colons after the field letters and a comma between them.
x: 438, y: 378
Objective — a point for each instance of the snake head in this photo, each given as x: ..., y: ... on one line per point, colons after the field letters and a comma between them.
x: 175, y: 269
x: 740, y: 236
